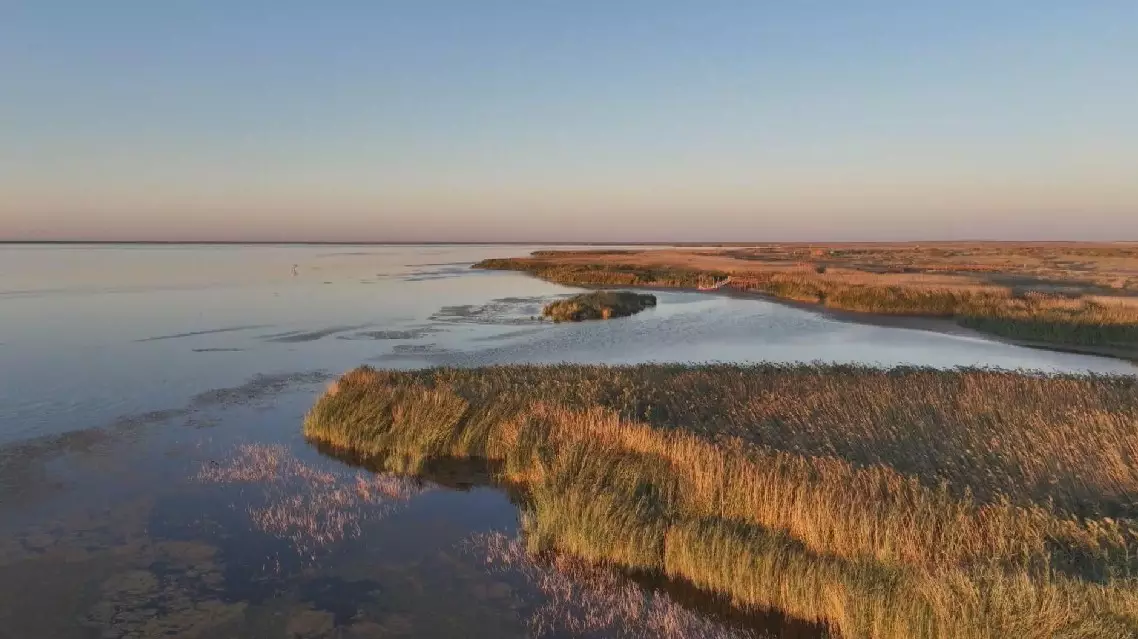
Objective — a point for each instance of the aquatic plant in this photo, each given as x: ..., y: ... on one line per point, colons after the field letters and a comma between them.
x: 1071, y: 313
x: 598, y: 305
x: 310, y: 507
x: 908, y: 502
x: 588, y: 599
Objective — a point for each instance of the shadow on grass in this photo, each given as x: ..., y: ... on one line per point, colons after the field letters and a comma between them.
x: 467, y: 473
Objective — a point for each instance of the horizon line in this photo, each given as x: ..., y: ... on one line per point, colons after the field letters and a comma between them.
x: 546, y: 243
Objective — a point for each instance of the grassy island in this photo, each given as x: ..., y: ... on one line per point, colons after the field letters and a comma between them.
x: 1071, y: 296
x: 598, y: 305
x: 904, y: 504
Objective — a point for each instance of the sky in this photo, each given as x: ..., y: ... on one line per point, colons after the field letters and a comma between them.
x: 536, y: 120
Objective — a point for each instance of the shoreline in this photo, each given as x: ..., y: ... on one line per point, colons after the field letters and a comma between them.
x: 810, y: 489
x: 913, y: 321
x: 927, y: 323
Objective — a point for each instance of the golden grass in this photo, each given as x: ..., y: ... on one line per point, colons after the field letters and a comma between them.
x: 598, y: 305
x: 901, y: 503
x: 1070, y: 295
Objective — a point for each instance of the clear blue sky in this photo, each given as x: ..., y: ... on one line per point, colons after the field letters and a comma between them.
x: 584, y: 120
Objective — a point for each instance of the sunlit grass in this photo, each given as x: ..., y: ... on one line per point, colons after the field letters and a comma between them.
x: 902, y: 503
x: 598, y: 305
x: 1061, y: 318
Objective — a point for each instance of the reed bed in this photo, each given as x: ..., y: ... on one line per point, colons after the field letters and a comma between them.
x: 1045, y: 313
x: 895, y: 503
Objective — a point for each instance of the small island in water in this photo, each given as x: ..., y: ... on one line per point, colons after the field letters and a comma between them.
x: 598, y: 305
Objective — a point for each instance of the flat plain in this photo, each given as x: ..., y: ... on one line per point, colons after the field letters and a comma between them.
x: 1073, y: 296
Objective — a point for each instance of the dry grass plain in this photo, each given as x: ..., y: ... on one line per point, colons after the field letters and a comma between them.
x: 1073, y: 296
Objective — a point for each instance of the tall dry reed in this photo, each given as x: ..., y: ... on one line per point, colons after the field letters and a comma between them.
x: 902, y: 503
x: 1035, y: 315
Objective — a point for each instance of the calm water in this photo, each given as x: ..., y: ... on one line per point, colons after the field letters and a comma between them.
x: 140, y: 385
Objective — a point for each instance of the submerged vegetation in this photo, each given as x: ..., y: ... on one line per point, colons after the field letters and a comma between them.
x: 598, y: 305
x: 587, y: 599
x: 309, y: 507
x: 1087, y: 305
x: 902, y: 503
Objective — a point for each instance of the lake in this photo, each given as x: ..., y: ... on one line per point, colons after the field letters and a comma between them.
x: 154, y: 482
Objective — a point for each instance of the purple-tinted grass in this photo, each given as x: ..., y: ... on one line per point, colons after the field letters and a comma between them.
x: 587, y: 599
x: 310, y: 507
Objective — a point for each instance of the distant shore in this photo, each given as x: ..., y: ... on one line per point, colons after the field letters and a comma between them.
x: 941, y: 325
x: 1041, y: 243
x: 1023, y: 294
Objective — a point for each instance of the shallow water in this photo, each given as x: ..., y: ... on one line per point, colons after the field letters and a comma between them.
x: 126, y: 371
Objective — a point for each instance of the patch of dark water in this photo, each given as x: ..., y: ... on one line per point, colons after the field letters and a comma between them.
x: 193, y: 559
x: 257, y: 388
x: 775, y: 623
x: 567, y: 597
x: 402, y: 355
x: 503, y: 311
x: 525, y: 332
x: 213, y: 331
x: 439, y: 272
x: 416, y: 349
x: 298, y: 336
x: 30, y: 469
x: 417, y: 332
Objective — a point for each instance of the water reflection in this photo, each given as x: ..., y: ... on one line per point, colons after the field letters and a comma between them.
x: 311, y: 508
x: 105, y: 530
x: 590, y: 600
x: 262, y: 544
x: 566, y: 596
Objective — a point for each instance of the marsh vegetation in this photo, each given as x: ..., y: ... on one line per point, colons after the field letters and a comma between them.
x: 1083, y: 297
x: 897, y: 503
x: 311, y: 508
x: 598, y: 305
x: 586, y: 599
